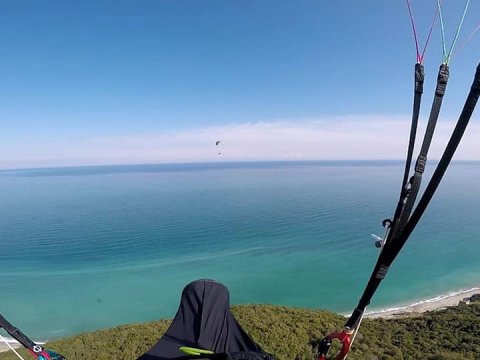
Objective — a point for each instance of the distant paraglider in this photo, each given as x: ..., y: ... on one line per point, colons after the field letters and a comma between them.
x: 218, y: 143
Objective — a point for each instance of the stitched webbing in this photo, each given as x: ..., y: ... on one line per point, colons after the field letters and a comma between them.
x: 392, y: 248
x: 16, y: 333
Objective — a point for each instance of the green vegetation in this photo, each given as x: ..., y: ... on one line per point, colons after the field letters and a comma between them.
x: 290, y: 333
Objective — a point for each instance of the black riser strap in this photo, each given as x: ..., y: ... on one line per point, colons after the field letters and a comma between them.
x: 432, y: 186
x: 442, y: 81
x: 462, y: 123
x: 385, y: 259
x: 16, y: 333
x: 442, y: 166
x: 374, y: 281
x: 417, y: 99
x: 404, y: 213
x: 406, y: 202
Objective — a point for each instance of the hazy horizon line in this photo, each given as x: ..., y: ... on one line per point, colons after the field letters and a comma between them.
x: 229, y: 162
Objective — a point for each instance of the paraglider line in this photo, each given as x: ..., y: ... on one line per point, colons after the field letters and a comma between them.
x: 461, y: 46
x: 439, y: 8
x: 419, y: 58
x: 458, y: 31
x: 429, y: 34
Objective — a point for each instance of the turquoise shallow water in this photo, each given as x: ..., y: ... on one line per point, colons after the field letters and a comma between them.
x: 89, y: 248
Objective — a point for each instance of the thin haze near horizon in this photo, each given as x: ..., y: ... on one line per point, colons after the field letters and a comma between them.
x: 102, y: 82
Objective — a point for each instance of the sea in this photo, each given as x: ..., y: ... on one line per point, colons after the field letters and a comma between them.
x: 87, y: 248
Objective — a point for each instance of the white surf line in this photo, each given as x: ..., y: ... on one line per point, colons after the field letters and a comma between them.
x: 422, y: 302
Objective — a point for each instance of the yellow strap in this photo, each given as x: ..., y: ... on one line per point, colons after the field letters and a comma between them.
x: 195, y: 351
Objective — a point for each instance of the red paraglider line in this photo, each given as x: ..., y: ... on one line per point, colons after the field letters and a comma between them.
x: 419, y: 59
x: 429, y: 33
x: 414, y: 28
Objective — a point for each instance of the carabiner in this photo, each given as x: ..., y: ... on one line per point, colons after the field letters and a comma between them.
x: 344, y: 337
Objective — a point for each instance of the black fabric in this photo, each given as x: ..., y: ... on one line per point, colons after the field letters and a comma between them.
x: 203, y: 321
x: 241, y: 355
x: 249, y: 355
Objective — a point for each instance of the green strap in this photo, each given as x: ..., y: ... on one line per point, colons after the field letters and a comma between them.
x: 194, y: 351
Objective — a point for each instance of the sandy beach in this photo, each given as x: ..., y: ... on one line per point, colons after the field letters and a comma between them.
x: 436, y: 303
x: 4, y: 347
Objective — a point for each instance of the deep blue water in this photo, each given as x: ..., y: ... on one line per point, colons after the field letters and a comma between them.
x: 92, y: 247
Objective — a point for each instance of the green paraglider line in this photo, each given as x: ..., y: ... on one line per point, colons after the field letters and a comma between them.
x: 439, y: 7
x: 447, y: 57
x: 458, y: 31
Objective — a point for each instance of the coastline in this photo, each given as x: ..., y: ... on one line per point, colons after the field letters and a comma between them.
x: 434, y: 304
x: 4, y: 347
x: 414, y: 309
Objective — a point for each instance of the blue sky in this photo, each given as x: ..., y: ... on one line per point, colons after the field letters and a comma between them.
x: 98, y: 82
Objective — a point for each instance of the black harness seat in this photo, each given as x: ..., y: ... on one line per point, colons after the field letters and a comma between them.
x: 204, y: 321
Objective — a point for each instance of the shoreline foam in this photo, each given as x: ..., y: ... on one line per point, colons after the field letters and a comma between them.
x: 436, y: 303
